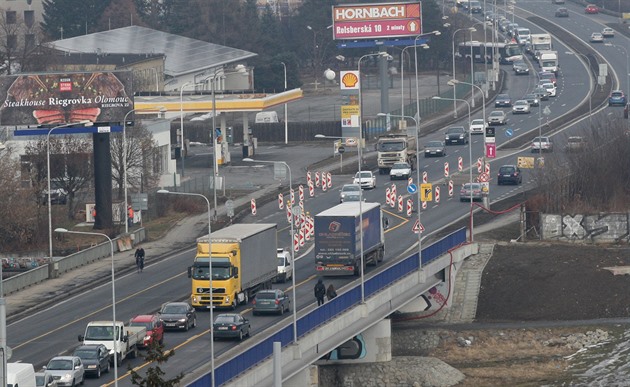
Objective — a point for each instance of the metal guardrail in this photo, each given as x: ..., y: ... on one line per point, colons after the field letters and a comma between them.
x: 261, y: 351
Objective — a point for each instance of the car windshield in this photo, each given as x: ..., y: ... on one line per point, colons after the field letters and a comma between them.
x: 474, y: 186
x: 225, y: 319
x: 506, y: 170
x: 174, y: 309
x: 218, y: 273
x: 617, y: 94
x: 434, y: 144
x: 59, y: 365
x: 85, y: 353
x: 281, y: 261
x: 521, y: 103
x: 477, y: 122
x: 455, y: 130
x: 350, y: 188
x: 391, y: 146
x: 503, y: 97
x: 496, y: 114
x: 266, y: 296
x: 146, y: 325
x: 364, y: 175
x: 400, y: 166
x: 99, y: 333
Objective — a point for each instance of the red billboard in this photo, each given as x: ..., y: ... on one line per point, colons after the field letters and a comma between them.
x: 63, y: 98
x: 376, y: 21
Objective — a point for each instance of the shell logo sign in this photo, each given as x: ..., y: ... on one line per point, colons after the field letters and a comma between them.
x: 349, y: 80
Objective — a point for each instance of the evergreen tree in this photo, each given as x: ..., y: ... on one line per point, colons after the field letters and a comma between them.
x: 155, y: 375
x: 69, y: 18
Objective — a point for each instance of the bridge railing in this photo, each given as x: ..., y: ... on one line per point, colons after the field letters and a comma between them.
x: 263, y: 350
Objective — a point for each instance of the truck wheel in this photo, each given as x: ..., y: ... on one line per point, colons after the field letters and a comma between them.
x: 234, y: 303
x: 119, y: 360
x: 134, y: 353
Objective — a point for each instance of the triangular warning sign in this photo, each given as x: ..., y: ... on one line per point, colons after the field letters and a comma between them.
x: 418, y: 227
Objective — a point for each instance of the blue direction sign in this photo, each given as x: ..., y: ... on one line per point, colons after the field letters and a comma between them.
x: 412, y: 188
x: 509, y: 132
x: 69, y: 130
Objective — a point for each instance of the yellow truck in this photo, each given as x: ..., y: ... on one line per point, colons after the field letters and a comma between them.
x: 243, y: 262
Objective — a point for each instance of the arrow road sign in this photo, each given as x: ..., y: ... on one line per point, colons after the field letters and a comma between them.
x: 412, y: 188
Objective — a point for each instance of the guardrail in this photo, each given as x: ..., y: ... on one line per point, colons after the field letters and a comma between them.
x: 66, y: 264
x: 261, y: 351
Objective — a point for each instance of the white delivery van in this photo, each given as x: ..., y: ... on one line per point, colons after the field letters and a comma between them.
x: 267, y: 117
x: 20, y: 375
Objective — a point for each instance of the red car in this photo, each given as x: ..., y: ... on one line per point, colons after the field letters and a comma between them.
x: 591, y: 8
x: 155, y: 328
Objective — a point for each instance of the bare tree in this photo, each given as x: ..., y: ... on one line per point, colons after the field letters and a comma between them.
x: 143, y: 166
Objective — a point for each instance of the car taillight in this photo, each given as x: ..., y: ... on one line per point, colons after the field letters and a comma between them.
x: 233, y: 327
x: 254, y: 301
x: 277, y: 302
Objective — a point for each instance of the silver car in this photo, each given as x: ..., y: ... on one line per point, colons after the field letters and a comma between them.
x: 497, y: 117
x: 66, y: 370
x: 350, y: 193
x: 466, y: 192
x: 400, y: 171
x: 542, y: 144
x: 271, y: 301
x: 365, y: 179
x: 521, y: 107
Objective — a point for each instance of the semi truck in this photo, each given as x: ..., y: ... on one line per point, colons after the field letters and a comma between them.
x: 548, y: 61
x: 125, y: 343
x: 540, y: 42
x: 395, y: 148
x: 338, y: 238
x: 243, y: 261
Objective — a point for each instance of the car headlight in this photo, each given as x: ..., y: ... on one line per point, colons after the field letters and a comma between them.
x: 461, y: 136
x: 66, y: 377
x: 182, y: 320
x: 91, y: 366
x: 147, y: 338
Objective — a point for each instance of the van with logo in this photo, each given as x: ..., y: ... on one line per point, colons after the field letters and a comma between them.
x: 267, y: 117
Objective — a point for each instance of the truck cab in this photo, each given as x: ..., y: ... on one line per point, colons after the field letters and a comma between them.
x: 395, y: 148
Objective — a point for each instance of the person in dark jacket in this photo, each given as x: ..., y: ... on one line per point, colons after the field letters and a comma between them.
x: 330, y: 292
x: 320, y: 292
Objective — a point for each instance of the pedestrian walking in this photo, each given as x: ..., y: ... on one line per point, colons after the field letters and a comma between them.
x: 330, y: 292
x: 139, y: 259
x: 320, y: 292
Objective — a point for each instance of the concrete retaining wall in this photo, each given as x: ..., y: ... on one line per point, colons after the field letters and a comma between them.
x: 66, y: 264
x: 600, y: 228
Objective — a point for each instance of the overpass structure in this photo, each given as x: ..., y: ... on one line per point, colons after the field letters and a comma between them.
x: 322, y: 329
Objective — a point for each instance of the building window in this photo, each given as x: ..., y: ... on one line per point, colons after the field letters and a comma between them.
x: 11, y: 17
x: 12, y: 42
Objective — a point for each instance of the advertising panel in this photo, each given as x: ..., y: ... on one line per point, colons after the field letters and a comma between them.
x: 379, y: 20
x: 63, y: 98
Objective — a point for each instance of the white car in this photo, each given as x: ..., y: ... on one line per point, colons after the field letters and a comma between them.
x: 66, y: 370
x: 550, y: 87
x: 365, y: 179
x: 542, y: 144
x: 521, y: 106
x: 608, y: 32
x: 497, y: 117
x: 477, y: 126
x: 400, y: 171
x: 597, y: 37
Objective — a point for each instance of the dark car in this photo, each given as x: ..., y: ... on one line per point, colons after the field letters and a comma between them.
x: 95, y: 358
x: 617, y: 97
x: 591, y: 9
x: 434, y: 148
x: 562, y: 12
x: 509, y: 174
x: 520, y: 68
x: 271, y: 301
x: 178, y: 315
x: 503, y: 100
x: 231, y: 325
x: 541, y: 93
x: 532, y: 99
x: 456, y: 135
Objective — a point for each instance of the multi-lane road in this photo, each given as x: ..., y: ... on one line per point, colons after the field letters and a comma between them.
x: 54, y: 331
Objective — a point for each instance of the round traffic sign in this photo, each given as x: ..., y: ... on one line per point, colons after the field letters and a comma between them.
x: 341, y: 149
x: 484, y: 177
x: 412, y: 188
x: 509, y: 132
x: 351, y: 141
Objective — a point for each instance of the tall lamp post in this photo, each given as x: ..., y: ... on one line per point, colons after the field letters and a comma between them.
x: 484, y: 24
x: 402, y: 76
x: 360, y: 155
x: 286, y: 122
x: 470, y: 166
x: 590, y: 70
x: 415, y: 53
x: 295, y: 336
x: 163, y: 191
x: 181, y: 121
x: 418, y: 203
x: 471, y: 29
x: 50, y: 230
x: 114, y: 333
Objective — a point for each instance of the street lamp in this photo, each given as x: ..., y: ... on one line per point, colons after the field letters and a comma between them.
x: 114, y: 333
x: 211, y: 305
x: 590, y: 70
x: 181, y: 121
x: 470, y: 161
x: 472, y: 60
x: 402, y: 72
x: 286, y: 122
x: 124, y: 150
x: 471, y: 29
x: 295, y: 337
x: 50, y: 239
x: 419, y: 204
x: 415, y: 53
x: 360, y: 155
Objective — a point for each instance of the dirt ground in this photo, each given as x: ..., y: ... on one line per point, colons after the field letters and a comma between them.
x: 525, y: 284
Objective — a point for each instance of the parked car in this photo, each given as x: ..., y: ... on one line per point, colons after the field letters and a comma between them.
x: 608, y: 32
x: 520, y: 68
x: 503, y: 100
x: 95, y: 357
x: 230, y: 325
x: 521, y: 106
x: 58, y: 194
x: 66, y: 370
x: 466, y: 192
x: 456, y: 135
x: 542, y: 144
x: 365, y: 179
x: 434, y: 148
x: 350, y: 193
x: 178, y: 315
x: 575, y: 144
x: 597, y: 37
x: 532, y: 99
x: 154, y: 326
x: 400, y: 171
x: 591, y: 9
x: 497, y: 117
x: 271, y: 301
x: 617, y: 97
x: 509, y: 174
x: 477, y: 126
x: 44, y: 379
x: 562, y: 12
